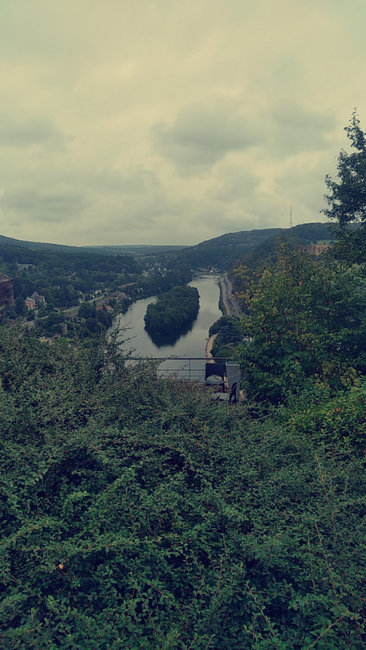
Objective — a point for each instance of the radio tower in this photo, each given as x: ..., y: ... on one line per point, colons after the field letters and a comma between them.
x: 290, y: 225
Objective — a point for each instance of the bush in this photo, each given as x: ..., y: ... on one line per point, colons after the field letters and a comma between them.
x: 137, y: 514
x: 339, y: 421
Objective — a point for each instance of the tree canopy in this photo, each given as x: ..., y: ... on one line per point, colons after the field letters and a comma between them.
x: 172, y: 311
x: 346, y: 196
x: 306, y: 323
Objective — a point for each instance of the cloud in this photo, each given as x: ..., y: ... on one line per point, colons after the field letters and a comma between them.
x: 172, y: 122
x: 135, y: 179
x: 202, y: 135
x: 294, y: 128
x: 26, y: 132
x: 303, y: 182
x: 45, y: 206
x: 235, y: 183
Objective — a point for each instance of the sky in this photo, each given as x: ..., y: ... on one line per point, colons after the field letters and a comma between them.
x: 166, y: 122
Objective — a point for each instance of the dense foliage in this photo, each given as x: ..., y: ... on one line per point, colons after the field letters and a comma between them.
x: 136, y: 514
x: 306, y: 324
x: 157, y: 281
x: 172, y: 311
x: 228, y: 336
x: 63, y: 278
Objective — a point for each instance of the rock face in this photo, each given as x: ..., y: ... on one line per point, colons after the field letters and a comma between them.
x: 6, y: 291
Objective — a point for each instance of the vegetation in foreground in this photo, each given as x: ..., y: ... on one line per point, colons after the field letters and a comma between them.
x: 305, y: 326
x: 136, y: 515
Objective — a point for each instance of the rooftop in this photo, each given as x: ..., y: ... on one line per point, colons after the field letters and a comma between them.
x: 4, y: 278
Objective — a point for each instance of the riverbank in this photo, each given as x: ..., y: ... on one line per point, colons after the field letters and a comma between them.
x: 229, y: 307
x: 209, y: 345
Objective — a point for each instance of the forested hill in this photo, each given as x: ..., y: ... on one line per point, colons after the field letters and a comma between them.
x: 221, y: 252
x: 225, y: 251
x: 98, y: 250
x: 33, y: 245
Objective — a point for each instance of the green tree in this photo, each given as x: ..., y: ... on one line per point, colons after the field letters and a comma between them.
x: 20, y: 308
x: 306, y: 323
x: 346, y: 196
x: 86, y: 310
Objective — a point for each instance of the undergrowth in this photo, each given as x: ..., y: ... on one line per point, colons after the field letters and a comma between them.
x: 137, y: 514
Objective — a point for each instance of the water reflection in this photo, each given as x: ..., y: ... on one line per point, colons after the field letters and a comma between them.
x: 164, y: 340
x: 188, y: 345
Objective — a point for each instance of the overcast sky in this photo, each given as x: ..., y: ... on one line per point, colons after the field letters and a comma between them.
x: 158, y: 121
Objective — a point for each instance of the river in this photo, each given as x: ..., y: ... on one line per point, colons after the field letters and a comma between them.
x: 192, y: 344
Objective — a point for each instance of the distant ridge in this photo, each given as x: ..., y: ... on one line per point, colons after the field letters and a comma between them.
x: 224, y: 251
x: 132, y: 249
x: 9, y: 241
x: 220, y: 252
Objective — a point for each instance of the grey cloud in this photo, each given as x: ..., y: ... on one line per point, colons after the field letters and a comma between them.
x: 239, y: 185
x: 132, y: 180
x: 142, y: 221
x: 200, y: 136
x: 149, y: 210
x: 304, y: 183
x: 24, y: 132
x: 43, y: 206
x: 224, y: 153
x: 294, y: 129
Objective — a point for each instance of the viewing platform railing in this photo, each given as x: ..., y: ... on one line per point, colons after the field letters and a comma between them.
x: 187, y: 368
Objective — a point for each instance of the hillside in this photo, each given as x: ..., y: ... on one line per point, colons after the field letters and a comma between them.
x: 221, y: 252
x: 227, y: 250
x: 36, y: 246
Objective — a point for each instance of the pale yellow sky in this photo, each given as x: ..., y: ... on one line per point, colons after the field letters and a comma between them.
x: 166, y: 122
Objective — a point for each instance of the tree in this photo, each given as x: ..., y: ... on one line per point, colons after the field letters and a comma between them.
x: 306, y: 324
x: 20, y: 308
x: 347, y: 195
x: 86, y: 310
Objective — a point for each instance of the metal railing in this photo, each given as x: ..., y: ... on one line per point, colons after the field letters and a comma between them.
x: 188, y: 368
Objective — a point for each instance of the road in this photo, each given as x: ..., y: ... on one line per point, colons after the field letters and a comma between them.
x: 230, y: 305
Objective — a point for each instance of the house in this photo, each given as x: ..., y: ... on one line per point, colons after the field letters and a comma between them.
x: 26, y: 267
x: 35, y: 300
x: 30, y: 303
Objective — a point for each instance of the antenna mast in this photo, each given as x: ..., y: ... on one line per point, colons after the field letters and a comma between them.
x: 290, y: 222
